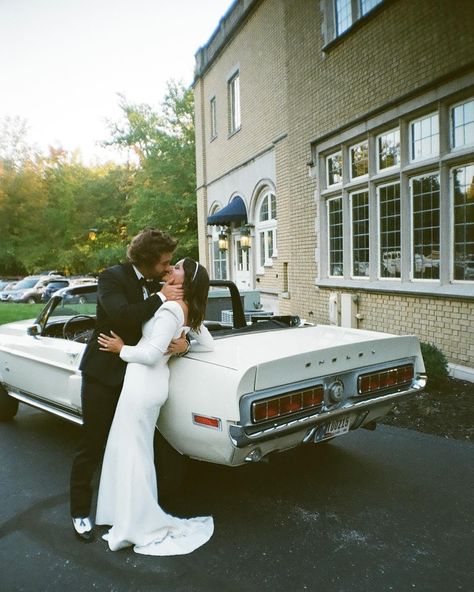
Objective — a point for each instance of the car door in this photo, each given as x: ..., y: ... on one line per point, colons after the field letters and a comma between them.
x: 44, y: 368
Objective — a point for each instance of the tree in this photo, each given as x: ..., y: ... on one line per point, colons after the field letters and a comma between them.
x: 163, y: 190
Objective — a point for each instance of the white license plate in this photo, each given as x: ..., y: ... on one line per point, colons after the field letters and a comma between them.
x: 334, y: 428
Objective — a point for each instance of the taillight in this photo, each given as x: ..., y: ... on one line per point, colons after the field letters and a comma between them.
x: 384, y: 379
x: 287, y: 404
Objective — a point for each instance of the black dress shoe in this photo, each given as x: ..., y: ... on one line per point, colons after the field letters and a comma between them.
x: 83, y: 529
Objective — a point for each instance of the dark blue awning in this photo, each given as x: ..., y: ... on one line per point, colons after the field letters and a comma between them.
x: 233, y: 212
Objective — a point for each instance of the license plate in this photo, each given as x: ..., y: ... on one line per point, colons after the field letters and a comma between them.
x: 333, y: 428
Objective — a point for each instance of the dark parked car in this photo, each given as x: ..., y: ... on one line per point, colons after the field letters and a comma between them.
x: 53, y: 286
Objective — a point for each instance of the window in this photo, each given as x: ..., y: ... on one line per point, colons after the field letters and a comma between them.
x: 367, y: 5
x: 360, y: 233
x: 265, y: 229
x: 389, y: 230
x: 213, y: 118
x: 343, y: 15
x: 219, y: 258
x: 335, y: 232
x: 388, y: 149
x: 425, y: 208
x: 377, y: 226
x: 462, y: 124
x: 234, y: 103
x: 424, y: 137
x: 359, y: 160
x: 334, y: 169
x: 463, y: 216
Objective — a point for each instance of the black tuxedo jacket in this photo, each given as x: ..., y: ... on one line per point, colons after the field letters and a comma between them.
x: 122, y: 309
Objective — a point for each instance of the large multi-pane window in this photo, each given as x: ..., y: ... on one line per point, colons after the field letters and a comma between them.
x: 389, y: 230
x: 367, y: 5
x: 425, y: 212
x: 424, y: 137
x: 234, y: 103
x: 463, y: 205
x: 265, y: 229
x: 411, y: 217
x: 462, y: 124
x: 388, y: 149
x: 335, y: 232
x: 360, y: 233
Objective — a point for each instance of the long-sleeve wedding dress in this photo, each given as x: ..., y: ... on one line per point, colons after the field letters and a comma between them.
x: 128, y: 496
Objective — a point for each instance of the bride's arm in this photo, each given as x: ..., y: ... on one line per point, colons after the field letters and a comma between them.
x: 201, y: 341
x: 150, y: 350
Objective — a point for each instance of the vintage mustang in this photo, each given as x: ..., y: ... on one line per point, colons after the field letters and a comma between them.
x: 268, y: 386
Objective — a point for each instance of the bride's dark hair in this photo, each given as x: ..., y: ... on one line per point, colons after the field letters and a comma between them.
x: 196, y: 290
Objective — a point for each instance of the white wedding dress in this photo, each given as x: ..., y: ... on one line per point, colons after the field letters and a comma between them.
x: 128, y: 496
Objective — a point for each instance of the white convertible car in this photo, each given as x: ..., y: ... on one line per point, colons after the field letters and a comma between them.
x: 269, y: 386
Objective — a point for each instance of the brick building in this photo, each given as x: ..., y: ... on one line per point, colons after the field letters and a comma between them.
x: 339, y: 134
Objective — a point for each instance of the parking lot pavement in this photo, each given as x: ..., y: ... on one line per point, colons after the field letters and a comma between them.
x: 368, y: 512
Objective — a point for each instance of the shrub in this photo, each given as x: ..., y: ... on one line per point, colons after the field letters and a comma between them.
x: 436, y: 363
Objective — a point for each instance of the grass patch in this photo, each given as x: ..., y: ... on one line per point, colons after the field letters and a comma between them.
x: 10, y: 311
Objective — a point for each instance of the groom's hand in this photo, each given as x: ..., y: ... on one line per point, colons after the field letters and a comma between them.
x: 178, y: 346
x: 172, y: 291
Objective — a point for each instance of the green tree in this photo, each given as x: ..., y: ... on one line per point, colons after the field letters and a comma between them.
x: 163, y: 190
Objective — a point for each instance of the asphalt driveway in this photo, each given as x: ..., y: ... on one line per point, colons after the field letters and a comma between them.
x: 369, y: 512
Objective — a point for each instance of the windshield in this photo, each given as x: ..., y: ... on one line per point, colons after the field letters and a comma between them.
x: 27, y: 283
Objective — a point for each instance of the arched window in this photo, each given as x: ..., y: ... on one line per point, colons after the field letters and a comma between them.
x: 266, y: 229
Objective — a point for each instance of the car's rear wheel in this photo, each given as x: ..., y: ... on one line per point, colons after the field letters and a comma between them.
x: 8, y: 405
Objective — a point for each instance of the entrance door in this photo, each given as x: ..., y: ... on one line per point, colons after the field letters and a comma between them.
x: 241, y: 264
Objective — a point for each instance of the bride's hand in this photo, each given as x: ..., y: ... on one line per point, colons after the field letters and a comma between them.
x: 110, y: 344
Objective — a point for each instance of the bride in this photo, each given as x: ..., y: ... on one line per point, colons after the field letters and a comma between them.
x: 128, y: 497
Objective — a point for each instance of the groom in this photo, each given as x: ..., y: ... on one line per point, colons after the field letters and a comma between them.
x: 123, y: 305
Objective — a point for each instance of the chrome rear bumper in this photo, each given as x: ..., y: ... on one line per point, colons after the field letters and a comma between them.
x: 248, y: 435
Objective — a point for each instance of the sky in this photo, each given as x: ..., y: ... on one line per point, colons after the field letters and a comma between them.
x: 65, y: 61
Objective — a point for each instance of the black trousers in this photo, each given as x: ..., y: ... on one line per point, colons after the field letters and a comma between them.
x: 98, y: 407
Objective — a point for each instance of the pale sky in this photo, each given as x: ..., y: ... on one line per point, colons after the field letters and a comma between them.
x: 64, y: 61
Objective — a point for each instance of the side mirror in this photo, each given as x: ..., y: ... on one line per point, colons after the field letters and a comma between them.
x: 34, y: 330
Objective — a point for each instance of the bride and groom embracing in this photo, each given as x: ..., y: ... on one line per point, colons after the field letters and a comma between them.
x: 125, y: 380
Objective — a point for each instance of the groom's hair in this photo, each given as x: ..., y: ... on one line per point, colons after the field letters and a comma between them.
x: 149, y: 245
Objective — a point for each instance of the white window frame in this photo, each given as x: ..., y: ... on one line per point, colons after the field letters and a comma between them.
x: 451, y: 125
x: 377, y: 152
x: 412, y: 226
x: 234, y: 103
x: 351, y: 148
x: 434, y: 154
x: 265, y: 228
x: 213, y: 117
x: 328, y: 157
x: 351, y: 221
x: 451, y: 242
x: 328, y: 233
x: 379, y: 230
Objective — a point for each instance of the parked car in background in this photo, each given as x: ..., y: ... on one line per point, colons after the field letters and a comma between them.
x: 53, y: 285
x: 267, y: 387
x: 6, y: 290
x: 29, y: 289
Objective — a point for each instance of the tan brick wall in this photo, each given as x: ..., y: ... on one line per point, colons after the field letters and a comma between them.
x: 290, y: 86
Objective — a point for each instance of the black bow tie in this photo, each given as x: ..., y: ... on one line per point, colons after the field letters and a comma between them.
x: 142, y: 281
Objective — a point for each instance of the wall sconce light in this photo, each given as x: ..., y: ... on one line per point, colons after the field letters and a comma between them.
x: 223, y: 241
x: 245, y: 238
x: 311, y: 167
